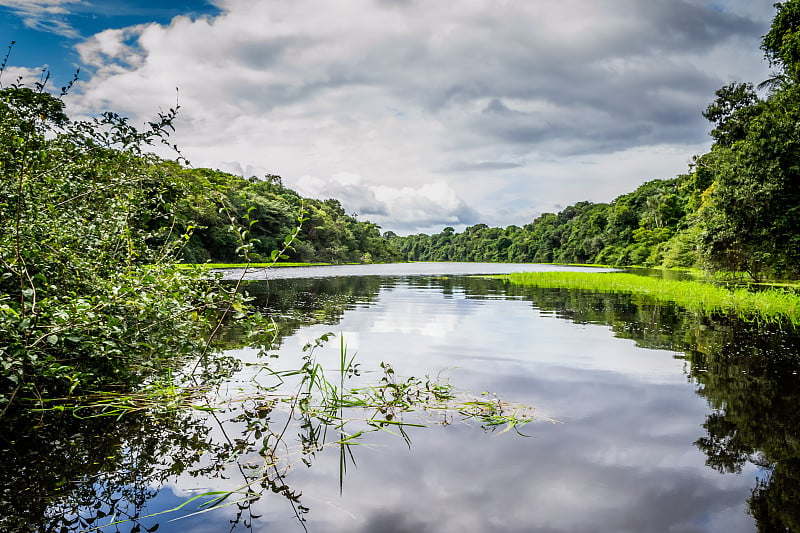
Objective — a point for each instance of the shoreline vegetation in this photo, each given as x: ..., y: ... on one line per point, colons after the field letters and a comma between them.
x: 771, y: 305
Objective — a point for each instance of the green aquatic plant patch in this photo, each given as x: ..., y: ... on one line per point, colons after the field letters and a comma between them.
x: 771, y: 305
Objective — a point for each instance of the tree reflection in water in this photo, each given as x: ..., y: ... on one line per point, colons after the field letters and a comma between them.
x: 65, y: 473
x: 99, y: 465
x: 749, y: 374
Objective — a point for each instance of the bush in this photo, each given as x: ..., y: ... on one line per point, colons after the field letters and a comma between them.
x: 86, y: 299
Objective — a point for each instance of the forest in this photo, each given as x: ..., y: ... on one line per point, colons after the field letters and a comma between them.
x: 736, y: 210
x: 212, y: 205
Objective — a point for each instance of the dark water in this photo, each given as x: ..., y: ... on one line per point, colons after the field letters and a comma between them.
x: 650, y: 419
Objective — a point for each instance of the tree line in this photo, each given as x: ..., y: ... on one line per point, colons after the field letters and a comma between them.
x: 737, y: 209
x: 223, y: 212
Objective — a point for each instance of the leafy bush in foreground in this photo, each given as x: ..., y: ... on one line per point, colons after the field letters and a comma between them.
x: 86, y: 300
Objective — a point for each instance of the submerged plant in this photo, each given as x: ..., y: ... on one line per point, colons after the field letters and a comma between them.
x: 285, y: 418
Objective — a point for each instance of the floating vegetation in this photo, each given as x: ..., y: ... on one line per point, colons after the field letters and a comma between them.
x: 287, y: 417
x: 314, y: 395
x: 775, y: 305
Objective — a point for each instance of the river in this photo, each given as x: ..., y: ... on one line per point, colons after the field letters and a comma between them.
x: 647, y: 418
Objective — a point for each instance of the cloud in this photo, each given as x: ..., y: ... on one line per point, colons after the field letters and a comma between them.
x: 26, y: 76
x: 45, y: 15
x: 404, y: 208
x: 479, y: 100
x: 483, y: 166
x: 347, y: 188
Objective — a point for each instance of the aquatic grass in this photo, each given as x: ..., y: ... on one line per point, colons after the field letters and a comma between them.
x: 494, y: 413
x: 774, y: 305
x: 207, y: 501
x: 322, y: 403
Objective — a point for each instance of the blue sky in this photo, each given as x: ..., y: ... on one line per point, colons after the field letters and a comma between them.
x: 416, y: 115
x: 46, y: 31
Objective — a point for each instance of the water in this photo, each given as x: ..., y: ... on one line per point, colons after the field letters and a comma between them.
x: 648, y: 419
x: 397, y: 269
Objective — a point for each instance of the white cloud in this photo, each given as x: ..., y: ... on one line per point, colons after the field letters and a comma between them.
x: 24, y: 75
x: 45, y: 15
x: 445, y: 115
x: 399, y: 208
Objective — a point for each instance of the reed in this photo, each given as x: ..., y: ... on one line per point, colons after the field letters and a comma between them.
x: 774, y: 305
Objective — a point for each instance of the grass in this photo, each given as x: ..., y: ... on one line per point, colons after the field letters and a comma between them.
x: 773, y: 305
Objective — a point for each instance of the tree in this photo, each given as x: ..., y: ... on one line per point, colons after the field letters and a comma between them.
x: 781, y: 45
x: 750, y: 217
x: 731, y: 111
x: 750, y: 214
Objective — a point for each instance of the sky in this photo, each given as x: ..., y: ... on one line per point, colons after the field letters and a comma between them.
x: 415, y: 114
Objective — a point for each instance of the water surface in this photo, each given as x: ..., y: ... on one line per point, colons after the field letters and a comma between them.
x: 421, y: 268
x: 650, y: 419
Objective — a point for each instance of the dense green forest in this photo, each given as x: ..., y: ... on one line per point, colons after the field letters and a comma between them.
x: 737, y: 209
x: 88, y: 299
x: 212, y: 205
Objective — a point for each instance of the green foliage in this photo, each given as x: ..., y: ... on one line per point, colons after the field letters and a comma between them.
x: 731, y: 112
x: 634, y: 229
x: 90, y: 293
x: 212, y: 201
x: 680, y: 251
x: 750, y: 219
x: 772, y: 305
x: 781, y: 45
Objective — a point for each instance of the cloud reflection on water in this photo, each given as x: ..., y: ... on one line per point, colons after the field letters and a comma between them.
x: 621, y: 459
